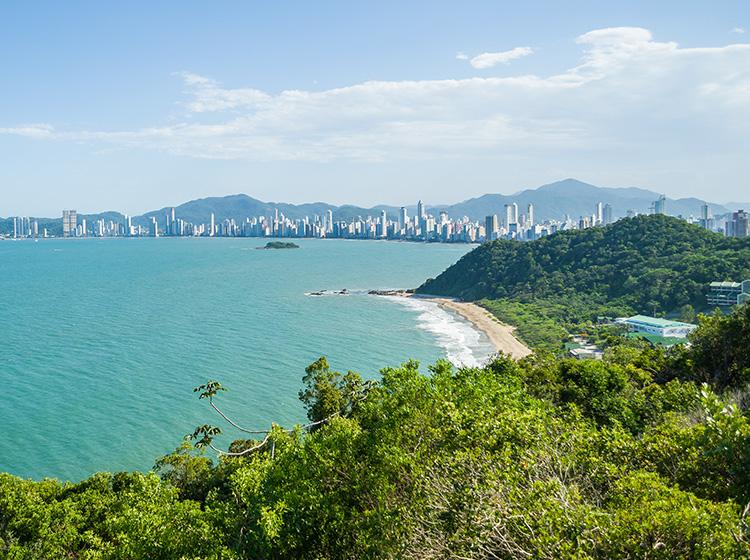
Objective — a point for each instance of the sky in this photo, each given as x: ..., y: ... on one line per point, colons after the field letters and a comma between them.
x: 133, y: 106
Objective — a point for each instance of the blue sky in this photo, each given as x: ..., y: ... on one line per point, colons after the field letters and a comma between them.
x: 137, y: 106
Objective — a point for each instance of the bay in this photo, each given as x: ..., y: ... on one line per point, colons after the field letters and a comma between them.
x: 102, y: 340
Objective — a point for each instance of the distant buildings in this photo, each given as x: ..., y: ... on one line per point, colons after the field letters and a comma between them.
x: 491, y: 228
x: 582, y: 349
x: 726, y: 294
x: 659, y: 327
x: 737, y: 226
x: 424, y: 226
x: 24, y: 227
x: 660, y: 205
x: 70, y: 221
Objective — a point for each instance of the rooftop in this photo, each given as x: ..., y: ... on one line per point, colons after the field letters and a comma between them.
x: 656, y: 322
x: 725, y: 284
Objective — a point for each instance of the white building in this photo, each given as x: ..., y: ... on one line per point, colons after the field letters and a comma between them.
x: 659, y: 327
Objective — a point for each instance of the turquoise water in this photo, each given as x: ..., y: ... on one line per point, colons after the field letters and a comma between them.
x: 103, y: 340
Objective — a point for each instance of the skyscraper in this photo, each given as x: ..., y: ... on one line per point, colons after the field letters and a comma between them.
x: 707, y: 217
x: 607, y: 214
x: 329, y: 221
x: 490, y: 227
x: 70, y: 221
x: 530, y: 215
x: 212, y: 229
x: 420, y: 210
x: 738, y: 225
x: 511, y: 214
x: 403, y: 221
x: 660, y: 205
x: 599, y: 213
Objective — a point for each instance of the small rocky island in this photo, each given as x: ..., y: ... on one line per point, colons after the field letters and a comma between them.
x: 279, y: 245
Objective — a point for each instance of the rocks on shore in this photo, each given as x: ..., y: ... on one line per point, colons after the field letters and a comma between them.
x: 390, y: 292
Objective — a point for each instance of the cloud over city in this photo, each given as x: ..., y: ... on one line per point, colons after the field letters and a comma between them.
x: 625, y: 89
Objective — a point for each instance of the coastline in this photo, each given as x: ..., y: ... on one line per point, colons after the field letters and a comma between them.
x: 500, y: 335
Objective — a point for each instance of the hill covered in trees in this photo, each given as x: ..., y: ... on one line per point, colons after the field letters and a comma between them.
x: 655, y: 265
x: 645, y: 454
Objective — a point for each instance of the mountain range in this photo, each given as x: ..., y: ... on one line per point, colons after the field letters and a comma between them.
x: 552, y: 201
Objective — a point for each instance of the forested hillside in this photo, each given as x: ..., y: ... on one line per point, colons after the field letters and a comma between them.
x: 630, y: 457
x: 647, y: 264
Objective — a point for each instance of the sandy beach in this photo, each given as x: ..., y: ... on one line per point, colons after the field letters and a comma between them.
x: 500, y: 335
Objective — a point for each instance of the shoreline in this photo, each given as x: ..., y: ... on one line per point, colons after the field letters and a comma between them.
x: 500, y: 335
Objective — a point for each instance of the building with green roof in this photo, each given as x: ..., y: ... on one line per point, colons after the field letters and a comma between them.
x: 660, y: 327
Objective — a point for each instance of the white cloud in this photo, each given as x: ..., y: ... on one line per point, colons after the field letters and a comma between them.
x: 627, y: 93
x: 208, y: 95
x: 488, y: 60
x: 38, y: 130
x: 738, y: 30
x: 462, y: 56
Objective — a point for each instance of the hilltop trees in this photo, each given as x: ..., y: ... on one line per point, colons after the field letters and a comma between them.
x: 629, y: 457
x: 647, y: 264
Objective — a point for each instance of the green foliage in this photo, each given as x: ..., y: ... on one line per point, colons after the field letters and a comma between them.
x: 190, y: 474
x: 541, y: 458
x: 720, y: 351
x: 537, y: 324
x: 280, y: 245
x: 112, y: 517
x: 648, y: 264
x: 328, y: 392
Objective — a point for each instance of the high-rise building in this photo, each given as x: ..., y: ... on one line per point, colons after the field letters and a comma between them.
x: 530, y: 215
x: 329, y: 221
x: 599, y: 213
x: 420, y: 210
x: 660, y: 205
x: 383, y: 224
x: 490, y: 227
x: 511, y: 215
x: 403, y: 220
x: 707, y: 217
x: 607, y: 214
x: 70, y: 221
x: 738, y: 225
x: 212, y: 229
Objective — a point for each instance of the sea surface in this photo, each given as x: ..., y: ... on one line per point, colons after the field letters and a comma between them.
x: 103, y: 340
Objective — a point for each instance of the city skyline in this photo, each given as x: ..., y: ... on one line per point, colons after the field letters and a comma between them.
x: 423, y: 226
x: 368, y: 105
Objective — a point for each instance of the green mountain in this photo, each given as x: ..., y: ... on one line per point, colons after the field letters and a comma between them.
x: 653, y: 265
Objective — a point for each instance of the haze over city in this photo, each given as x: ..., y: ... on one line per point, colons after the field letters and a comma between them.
x: 111, y: 109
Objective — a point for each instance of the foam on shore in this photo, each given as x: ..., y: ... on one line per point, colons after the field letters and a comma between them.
x: 463, y: 343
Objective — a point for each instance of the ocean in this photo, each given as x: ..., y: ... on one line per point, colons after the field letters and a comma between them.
x: 103, y: 340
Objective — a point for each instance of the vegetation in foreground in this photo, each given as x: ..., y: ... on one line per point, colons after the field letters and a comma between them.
x: 654, y: 265
x: 643, y: 455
